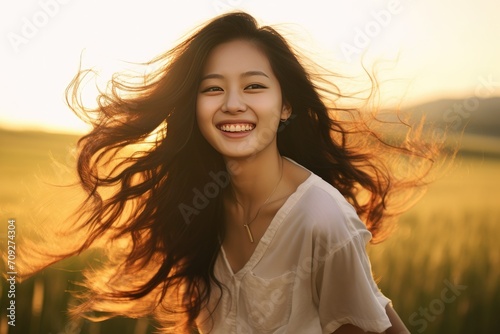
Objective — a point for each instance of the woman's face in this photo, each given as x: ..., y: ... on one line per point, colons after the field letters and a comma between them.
x: 239, y: 103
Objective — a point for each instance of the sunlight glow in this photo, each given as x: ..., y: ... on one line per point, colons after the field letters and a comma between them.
x: 440, y: 49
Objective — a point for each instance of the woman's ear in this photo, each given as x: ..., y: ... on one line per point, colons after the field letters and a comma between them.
x: 286, y: 111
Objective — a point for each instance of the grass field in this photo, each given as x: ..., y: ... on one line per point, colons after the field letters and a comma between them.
x: 441, y: 267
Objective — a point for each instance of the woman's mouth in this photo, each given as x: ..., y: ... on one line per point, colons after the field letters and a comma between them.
x: 236, y: 127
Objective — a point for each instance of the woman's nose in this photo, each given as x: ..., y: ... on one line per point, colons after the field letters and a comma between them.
x: 233, y: 102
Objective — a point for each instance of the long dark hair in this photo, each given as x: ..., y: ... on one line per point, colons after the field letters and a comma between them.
x: 145, y: 166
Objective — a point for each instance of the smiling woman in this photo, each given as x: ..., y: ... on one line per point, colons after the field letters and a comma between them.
x: 240, y: 98
x: 293, y: 188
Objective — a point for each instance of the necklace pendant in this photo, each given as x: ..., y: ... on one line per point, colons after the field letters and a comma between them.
x: 249, y: 232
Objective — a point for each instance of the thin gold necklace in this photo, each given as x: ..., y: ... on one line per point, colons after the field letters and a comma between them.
x: 247, y: 225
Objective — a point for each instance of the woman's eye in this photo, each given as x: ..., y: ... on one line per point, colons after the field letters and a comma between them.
x: 255, y: 86
x: 211, y: 89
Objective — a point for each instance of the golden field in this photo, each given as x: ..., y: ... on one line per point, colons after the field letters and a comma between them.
x: 441, y: 267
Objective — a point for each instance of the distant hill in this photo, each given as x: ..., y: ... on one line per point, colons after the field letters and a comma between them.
x: 477, y: 116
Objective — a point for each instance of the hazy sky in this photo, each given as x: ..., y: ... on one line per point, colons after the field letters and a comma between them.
x: 445, y: 48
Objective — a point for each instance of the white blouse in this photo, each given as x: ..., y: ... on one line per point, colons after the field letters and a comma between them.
x: 308, y: 274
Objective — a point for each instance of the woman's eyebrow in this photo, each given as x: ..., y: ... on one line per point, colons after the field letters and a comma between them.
x: 212, y: 76
x: 252, y: 73
x: 246, y: 74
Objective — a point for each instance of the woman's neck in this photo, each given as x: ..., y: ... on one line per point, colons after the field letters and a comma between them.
x: 254, y: 179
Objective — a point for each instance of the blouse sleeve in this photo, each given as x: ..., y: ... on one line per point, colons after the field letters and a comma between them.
x: 345, y: 291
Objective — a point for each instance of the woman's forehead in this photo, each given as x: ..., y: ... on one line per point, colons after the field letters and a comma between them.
x: 237, y: 56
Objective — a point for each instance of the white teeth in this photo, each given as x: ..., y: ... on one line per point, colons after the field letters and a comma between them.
x: 236, y: 127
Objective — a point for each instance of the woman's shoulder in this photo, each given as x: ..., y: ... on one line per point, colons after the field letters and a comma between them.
x: 316, y: 196
x: 321, y: 199
x: 324, y: 212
